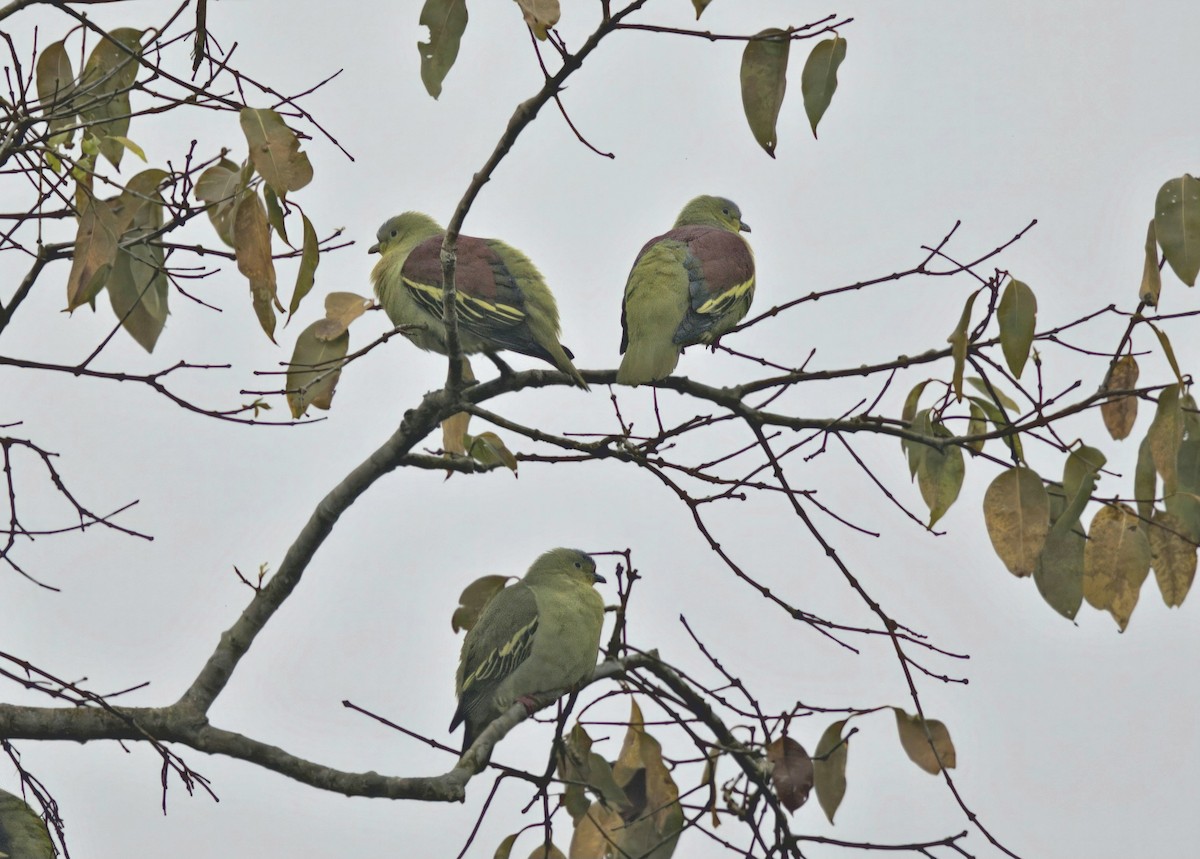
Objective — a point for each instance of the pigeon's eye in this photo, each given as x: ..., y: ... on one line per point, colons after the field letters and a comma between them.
x: 578, y: 565
x: 725, y: 211
x: 395, y: 233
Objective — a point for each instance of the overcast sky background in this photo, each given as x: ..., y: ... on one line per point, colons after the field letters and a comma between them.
x: 1072, y: 740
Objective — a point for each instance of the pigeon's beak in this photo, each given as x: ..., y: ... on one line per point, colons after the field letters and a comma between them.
x: 596, y: 577
x: 745, y: 227
x: 373, y: 249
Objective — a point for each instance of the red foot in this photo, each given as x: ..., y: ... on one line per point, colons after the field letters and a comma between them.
x: 529, y: 702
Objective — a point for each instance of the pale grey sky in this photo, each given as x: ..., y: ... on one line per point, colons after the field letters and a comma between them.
x: 1072, y: 740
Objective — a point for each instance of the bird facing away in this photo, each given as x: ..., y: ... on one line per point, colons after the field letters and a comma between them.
x: 689, y: 285
x: 541, y: 634
x: 502, y: 300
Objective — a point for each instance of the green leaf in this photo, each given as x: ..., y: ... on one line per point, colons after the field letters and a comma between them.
x: 829, y: 763
x: 912, y: 450
x: 958, y: 344
x: 977, y: 426
x: 1120, y: 413
x: 55, y: 87
x: 275, y: 214
x: 1017, y: 315
x: 1079, y: 483
x: 314, y: 369
x: 275, y: 151
x: 915, y: 450
x: 1059, y: 571
x: 1151, y: 275
x: 127, y: 143
x: 1116, y: 562
x: 764, y: 82
x: 940, y: 474
x: 1165, y: 342
x: 916, y: 735
x: 1165, y: 436
x: 1145, y: 480
x: 993, y: 413
x: 1016, y: 511
x: 818, y: 81
x: 138, y: 285
x: 1184, y: 503
x: 103, y: 89
x: 506, y: 846
x: 1172, y: 556
x: 487, y: 448
x: 995, y: 394
x: 221, y: 186
x: 446, y: 20
x: 1177, y: 225
x: 701, y: 5
x: 309, y: 258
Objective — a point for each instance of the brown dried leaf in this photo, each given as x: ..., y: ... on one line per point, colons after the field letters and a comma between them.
x: 1016, y: 510
x: 454, y: 434
x: 342, y: 308
x: 95, y: 251
x: 474, y: 599
x: 252, y: 247
x: 916, y: 743
x: 1151, y: 275
x: 1120, y: 413
x: 1116, y: 562
x: 1172, y: 556
x: 791, y: 772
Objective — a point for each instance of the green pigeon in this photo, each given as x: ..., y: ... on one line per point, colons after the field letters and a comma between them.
x: 503, y: 301
x: 538, y: 635
x: 689, y: 285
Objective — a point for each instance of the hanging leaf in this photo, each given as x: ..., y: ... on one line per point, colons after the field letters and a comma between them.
x: 977, y: 426
x: 252, y: 247
x: 818, y: 81
x: 829, y: 765
x: 1017, y: 315
x: 1172, y: 556
x: 95, y: 251
x: 275, y: 214
x: 1017, y: 513
x: 916, y: 742
x: 939, y: 472
x: 306, y: 274
x: 221, y: 186
x: 649, y: 823
x: 993, y: 413
x: 506, y: 846
x: 1145, y: 480
x: 314, y: 370
x: 1079, y: 483
x: 1151, y: 276
x: 1184, y: 503
x: 342, y: 308
x: 1115, y: 562
x: 275, y: 151
x: 1059, y: 572
x: 1120, y: 413
x: 1177, y: 226
x: 791, y: 772
x: 1165, y: 436
x: 912, y: 450
x: 958, y: 344
x: 701, y: 5
x: 137, y: 286
x: 474, y: 599
x: 446, y: 20
x: 764, y: 82
x: 1165, y: 342
x: 540, y: 15
x: 543, y: 852
x: 55, y: 88
x: 103, y: 89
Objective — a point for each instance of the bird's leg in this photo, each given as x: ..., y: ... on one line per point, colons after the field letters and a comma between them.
x: 530, y: 703
x: 504, y: 369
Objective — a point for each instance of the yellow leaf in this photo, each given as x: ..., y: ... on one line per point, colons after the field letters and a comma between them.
x: 1165, y: 436
x: 473, y: 600
x: 252, y: 247
x: 95, y: 251
x: 916, y: 742
x: 540, y: 15
x: 342, y: 308
x: 1119, y: 413
x: 1173, y: 557
x: 958, y: 344
x: 1017, y: 513
x: 1116, y: 562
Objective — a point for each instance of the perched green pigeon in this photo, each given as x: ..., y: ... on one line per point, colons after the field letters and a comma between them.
x: 689, y: 285
x: 503, y: 302
x: 539, y: 635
